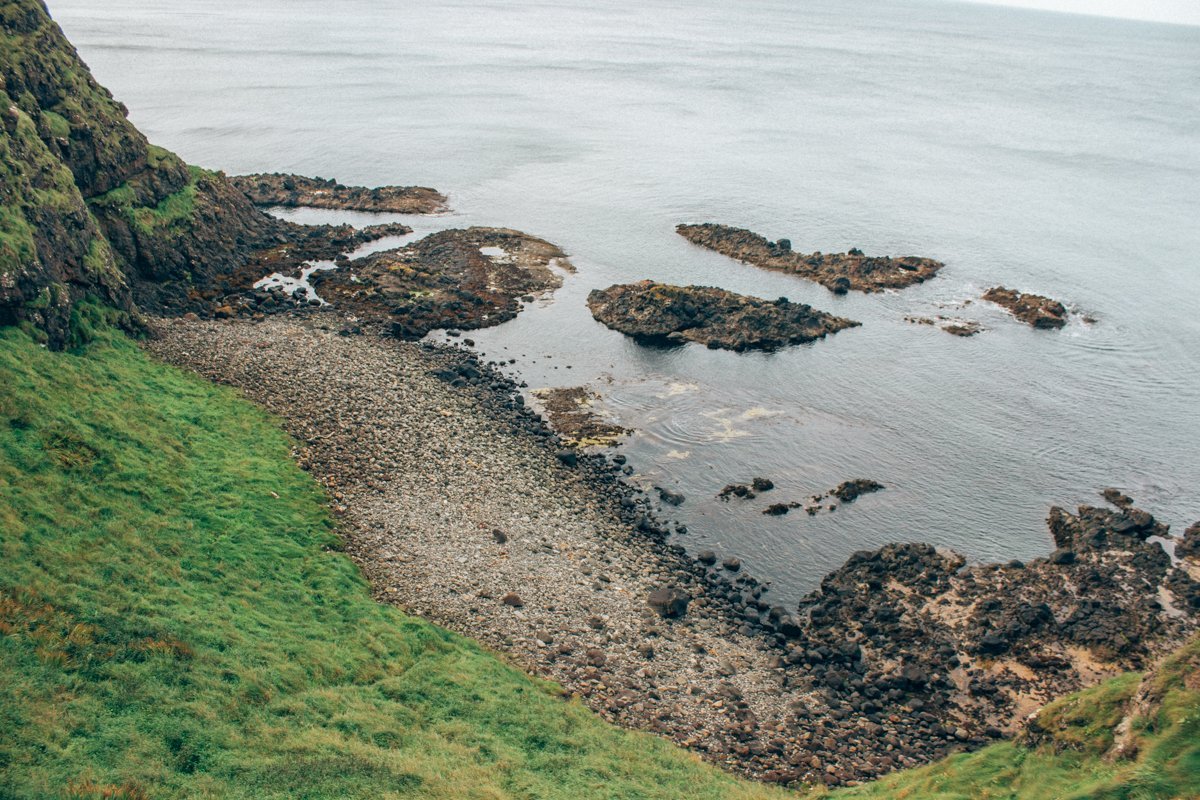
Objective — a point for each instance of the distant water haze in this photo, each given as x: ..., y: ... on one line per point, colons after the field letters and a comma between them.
x: 1048, y: 153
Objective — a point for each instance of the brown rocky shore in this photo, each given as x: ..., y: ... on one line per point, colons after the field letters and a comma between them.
x: 1032, y: 309
x: 658, y: 313
x: 838, y: 272
x: 462, y: 506
x: 471, y: 278
x: 291, y: 191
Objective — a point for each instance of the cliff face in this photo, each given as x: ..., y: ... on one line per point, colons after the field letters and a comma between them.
x: 88, y: 207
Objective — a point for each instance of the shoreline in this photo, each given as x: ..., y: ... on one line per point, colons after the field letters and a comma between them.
x: 461, y: 506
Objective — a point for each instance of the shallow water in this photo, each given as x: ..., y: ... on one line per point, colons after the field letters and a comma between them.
x: 1050, y: 153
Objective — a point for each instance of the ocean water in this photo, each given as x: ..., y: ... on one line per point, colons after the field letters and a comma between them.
x: 1049, y: 153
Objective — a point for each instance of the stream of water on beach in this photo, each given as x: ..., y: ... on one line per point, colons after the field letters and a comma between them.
x: 1049, y: 153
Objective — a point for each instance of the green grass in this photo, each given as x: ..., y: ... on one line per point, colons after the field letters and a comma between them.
x: 176, y: 620
x: 1068, y: 757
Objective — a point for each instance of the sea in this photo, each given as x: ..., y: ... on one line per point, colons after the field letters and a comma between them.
x: 1045, y: 152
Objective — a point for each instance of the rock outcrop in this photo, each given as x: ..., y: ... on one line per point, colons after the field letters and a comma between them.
x: 571, y: 414
x: 88, y: 208
x: 472, y: 278
x: 838, y: 272
x: 658, y: 313
x: 291, y: 191
x: 907, y: 635
x: 1032, y: 309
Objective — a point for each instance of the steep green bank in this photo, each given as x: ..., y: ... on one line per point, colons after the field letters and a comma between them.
x: 87, y: 206
x: 176, y: 620
x: 1133, y: 738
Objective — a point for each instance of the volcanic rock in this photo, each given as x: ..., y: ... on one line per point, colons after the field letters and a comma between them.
x: 462, y: 279
x: 838, y: 272
x: 655, y: 313
x: 291, y: 191
x: 1032, y: 309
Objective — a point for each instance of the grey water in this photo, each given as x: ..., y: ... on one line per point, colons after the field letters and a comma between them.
x: 1049, y: 153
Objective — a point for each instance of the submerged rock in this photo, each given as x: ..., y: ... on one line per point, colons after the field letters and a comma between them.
x: 838, y: 272
x: 660, y: 313
x: 570, y: 412
x: 296, y: 190
x: 1032, y: 309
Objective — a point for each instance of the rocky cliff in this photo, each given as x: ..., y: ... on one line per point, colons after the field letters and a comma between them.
x: 88, y: 207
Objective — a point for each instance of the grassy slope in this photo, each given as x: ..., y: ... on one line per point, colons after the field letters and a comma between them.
x: 1070, y: 762
x: 175, y: 620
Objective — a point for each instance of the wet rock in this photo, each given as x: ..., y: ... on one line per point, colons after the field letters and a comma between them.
x: 839, y: 272
x: 669, y: 602
x: 655, y: 313
x: 571, y: 414
x: 445, y: 280
x: 762, y: 484
x: 849, y: 491
x: 736, y: 490
x: 776, y: 509
x: 1032, y: 309
x: 1117, y: 498
x: 1188, y: 546
x: 706, y: 557
x: 669, y: 497
x: 293, y: 191
x: 732, y: 564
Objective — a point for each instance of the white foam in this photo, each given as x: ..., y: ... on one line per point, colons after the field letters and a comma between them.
x: 290, y: 285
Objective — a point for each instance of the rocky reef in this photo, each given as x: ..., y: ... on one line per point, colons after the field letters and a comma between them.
x: 660, y: 313
x: 1032, y: 309
x: 472, y: 278
x: 951, y: 325
x: 290, y: 191
x: 572, y: 416
x: 838, y: 272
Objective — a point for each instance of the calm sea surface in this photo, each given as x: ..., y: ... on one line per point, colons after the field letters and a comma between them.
x: 1049, y: 153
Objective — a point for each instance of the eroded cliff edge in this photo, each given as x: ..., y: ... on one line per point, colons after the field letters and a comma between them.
x: 88, y: 207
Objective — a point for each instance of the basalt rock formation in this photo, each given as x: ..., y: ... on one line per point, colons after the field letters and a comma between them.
x: 660, y: 313
x: 838, y: 272
x: 472, y: 278
x: 928, y: 652
x: 87, y: 206
x: 1032, y: 309
x: 296, y: 190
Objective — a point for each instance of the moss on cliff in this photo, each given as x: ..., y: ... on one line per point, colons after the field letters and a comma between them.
x: 74, y: 170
